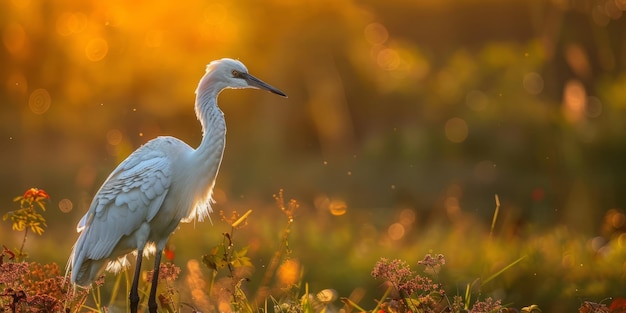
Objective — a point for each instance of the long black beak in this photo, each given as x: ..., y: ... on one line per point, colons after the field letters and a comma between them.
x: 255, y: 82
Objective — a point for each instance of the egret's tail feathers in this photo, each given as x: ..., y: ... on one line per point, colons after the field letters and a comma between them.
x: 89, y: 270
x: 87, y: 273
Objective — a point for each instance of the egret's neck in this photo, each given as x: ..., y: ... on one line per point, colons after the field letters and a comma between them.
x: 204, y: 162
x: 213, y: 126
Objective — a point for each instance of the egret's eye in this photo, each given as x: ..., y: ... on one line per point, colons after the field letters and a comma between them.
x: 236, y: 73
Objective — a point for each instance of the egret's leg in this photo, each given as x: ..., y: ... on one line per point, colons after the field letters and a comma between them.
x: 152, y: 305
x: 134, y: 294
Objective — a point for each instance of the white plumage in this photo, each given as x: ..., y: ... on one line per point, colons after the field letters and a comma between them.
x: 159, y: 185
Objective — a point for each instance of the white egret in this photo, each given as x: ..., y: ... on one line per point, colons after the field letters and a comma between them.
x: 159, y: 185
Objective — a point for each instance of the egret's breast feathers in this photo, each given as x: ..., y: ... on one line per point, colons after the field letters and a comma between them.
x: 203, y: 173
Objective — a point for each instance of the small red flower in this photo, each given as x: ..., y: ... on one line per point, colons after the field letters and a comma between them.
x: 169, y: 254
x: 35, y: 195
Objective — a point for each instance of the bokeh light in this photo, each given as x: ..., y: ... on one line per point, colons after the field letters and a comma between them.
x: 39, y: 101
x: 288, y: 272
x: 477, y: 100
x: 614, y: 219
x: 577, y: 60
x: 196, y: 284
x: 14, y: 38
x: 338, y: 207
x: 376, y: 34
x: 538, y: 194
x: 396, y: 231
x: 114, y: 137
x: 593, y: 107
x: 456, y: 130
x: 86, y: 177
x: 533, y: 83
x: 96, y: 49
x: 66, y: 205
x: 574, y: 101
x: 452, y: 206
x: 485, y: 171
x: 388, y: 59
x: 407, y: 217
x: 617, y: 220
x: 335, y: 206
x: 71, y: 23
x: 568, y: 261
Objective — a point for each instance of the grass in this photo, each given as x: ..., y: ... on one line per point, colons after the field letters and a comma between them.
x: 346, y: 264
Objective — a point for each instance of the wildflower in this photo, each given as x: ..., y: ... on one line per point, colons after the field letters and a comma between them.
x: 167, y: 271
x: 45, y: 303
x: 396, y: 272
x: 99, y: 282
x: 487, y: 306
x: 433, y: 264
x: 591, y: 307
x: 425, y: 284
x: 457, y: 304
x: 26, y: 217
x: 18, y: 298
x: 431, y: 261
x: 288, y: 209
x: 35, y: 195
x: 12, y: 272
x: 406, y: 282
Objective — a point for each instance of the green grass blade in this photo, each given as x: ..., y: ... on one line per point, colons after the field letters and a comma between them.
x: 496, y: 274
x: 495, y: 216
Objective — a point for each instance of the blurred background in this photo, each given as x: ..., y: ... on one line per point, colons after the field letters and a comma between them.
x: 404, y: 120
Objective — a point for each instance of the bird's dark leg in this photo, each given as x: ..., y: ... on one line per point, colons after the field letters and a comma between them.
x: 134, y: 294
x: 152, y: 305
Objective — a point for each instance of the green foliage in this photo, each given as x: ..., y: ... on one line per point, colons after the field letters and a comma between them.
x: 221, y: 257
x: 23, y: 219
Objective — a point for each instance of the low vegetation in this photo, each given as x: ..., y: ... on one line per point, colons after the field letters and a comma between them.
x: 218, y: 282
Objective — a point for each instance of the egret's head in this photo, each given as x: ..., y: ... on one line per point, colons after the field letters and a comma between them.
x: 229, y: 73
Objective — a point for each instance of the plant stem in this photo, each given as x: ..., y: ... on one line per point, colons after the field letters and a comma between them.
x: 495, y: 216
x: 20, y: 255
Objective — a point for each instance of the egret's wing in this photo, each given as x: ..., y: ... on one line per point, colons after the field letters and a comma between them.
x: 131, y: 196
